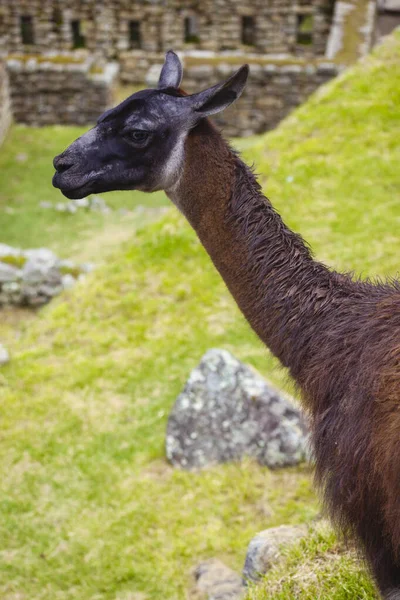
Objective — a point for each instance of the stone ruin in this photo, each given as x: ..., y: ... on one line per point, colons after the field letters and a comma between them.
x: 61, y: 62
x: 111, y: 27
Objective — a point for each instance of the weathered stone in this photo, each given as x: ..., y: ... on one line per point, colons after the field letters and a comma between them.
x: 68, y: 281
x: 216, y: 581
x: 42, y: 276
x: 265, y: 549
x: 227, y: 411
x: 6, y: 250
x: 65, y: 91
x: 4, y: 355
x: 8, y: 273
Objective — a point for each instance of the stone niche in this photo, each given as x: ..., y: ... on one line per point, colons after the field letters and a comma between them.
x: 68, y: 89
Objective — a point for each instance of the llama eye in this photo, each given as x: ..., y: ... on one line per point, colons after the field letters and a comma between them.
x: 139, y: 136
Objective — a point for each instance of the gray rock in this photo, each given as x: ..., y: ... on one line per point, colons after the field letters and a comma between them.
x: 6, y: 250
x: 82, y: 202
x: 266, y: 547
x: 11, y: 287
x: 227, y: 411
x: 42, y: 255
x: 216, y: 581
x: 71, y: 207
x: 41, y: 278
x: 4, y: 355
x: 45, y: 204
x: 97, y: 203
x: 8, y: 273
x: 50, y: 290
x: 41, y: 267
x: 87, y: 267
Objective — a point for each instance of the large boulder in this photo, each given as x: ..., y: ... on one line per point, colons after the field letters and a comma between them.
x: 227, y: 411
x: 266, y: 547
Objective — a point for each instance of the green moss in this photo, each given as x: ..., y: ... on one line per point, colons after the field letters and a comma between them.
x: 62, y: 59
x: 15, y: 261
x: 250, y: 59
x: 96, y: 70
x: 74, y: 271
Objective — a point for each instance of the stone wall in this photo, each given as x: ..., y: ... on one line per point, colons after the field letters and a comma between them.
x: 5, y: 105
x: 63, y: 89
x: 388, y: 17
x: 50, y: 90
x: 113, y: 26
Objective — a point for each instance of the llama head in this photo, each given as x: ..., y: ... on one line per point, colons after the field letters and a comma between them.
x: 140, y: 143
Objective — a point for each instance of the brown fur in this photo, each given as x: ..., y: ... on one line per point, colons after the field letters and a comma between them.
x: 339, y: 337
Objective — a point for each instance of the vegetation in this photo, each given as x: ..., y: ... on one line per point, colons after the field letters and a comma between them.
x: 89, y: 507
x: 317, y: 567
x: 26, y: 165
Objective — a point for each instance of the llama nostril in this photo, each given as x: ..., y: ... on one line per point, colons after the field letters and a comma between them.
x: 62, y: 164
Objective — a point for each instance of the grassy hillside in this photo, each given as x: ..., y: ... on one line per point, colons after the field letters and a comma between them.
x: 89, y: 508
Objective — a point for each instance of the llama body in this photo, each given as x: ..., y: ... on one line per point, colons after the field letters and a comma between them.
x: 338, y: 337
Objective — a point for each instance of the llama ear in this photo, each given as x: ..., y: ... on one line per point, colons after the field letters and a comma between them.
x: 171, y: 73
x: 220, y: 96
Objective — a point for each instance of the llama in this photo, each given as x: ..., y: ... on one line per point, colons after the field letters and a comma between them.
x: 338, y: 337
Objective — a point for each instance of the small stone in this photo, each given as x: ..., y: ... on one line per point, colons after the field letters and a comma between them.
x: 41, y: 266
x: 11, y: 287
x: 68, y: 281
x: 216, y: 581
x: 71, y: 207
x: 82, y: 202
x: 87, y: 267
x: 21, y: 157
x: 45, y: 204
x: 4, y: 355
x: 98, y: 204
x: 265, y: 549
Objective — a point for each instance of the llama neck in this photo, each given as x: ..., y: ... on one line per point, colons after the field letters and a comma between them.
x: 268, y: 269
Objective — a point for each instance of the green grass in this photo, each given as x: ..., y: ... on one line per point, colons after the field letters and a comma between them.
x: 25, y: 180
x: 89, y: 507
x: 316, y: 567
